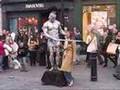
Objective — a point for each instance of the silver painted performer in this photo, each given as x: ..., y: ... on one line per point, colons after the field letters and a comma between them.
x: 51, y: 29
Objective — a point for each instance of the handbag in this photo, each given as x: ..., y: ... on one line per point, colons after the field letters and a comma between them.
x: 111, y: 48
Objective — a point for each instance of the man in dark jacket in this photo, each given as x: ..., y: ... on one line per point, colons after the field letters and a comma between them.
x: 23, y: 50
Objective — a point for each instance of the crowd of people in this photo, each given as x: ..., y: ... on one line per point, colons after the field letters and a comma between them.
x: 23, y: 49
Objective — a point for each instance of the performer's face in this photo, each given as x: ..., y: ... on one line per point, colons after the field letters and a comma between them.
x: 52, y: 19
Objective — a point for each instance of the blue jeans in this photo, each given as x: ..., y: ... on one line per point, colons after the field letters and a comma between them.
x: 68, y: 76
x: 23, y: 61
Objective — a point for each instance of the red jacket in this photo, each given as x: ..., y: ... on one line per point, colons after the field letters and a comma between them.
x: 1, y: 48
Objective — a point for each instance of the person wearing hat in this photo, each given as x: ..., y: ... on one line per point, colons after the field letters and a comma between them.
x: 51, y: 29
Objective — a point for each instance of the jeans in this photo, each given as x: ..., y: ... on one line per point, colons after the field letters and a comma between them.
x: 32, y: 58
x: 1, y: 62
x: 68, y: 76
x: 5, y: 63
x: 23, y: 61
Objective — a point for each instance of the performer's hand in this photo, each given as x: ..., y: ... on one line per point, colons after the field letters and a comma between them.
x: 51, y: 69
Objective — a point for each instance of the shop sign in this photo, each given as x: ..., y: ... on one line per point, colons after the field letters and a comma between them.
x: 36, y: 5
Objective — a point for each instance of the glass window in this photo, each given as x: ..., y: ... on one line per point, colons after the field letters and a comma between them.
x: 26, y: 23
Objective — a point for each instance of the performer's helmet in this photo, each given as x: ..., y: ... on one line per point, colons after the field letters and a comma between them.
x: 52, y: 15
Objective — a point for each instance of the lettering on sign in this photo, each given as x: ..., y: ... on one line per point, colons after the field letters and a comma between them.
x: 37, y: 5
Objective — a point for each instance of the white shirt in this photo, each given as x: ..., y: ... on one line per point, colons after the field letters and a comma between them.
x: 92, y: 47
x: 7, y: 49
x: 14, y: 47
x: 88, y: 39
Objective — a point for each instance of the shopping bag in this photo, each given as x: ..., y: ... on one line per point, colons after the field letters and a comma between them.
x: 111, y: 49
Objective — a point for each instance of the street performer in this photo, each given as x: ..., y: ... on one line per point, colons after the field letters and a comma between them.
x: 51, y: 29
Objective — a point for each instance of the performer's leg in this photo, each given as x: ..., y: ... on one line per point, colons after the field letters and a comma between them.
x: 51, y: 56
x: 57, y: 57
x: 48, y: 64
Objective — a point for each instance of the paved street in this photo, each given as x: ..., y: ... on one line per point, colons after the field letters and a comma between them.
x: 16, y: 80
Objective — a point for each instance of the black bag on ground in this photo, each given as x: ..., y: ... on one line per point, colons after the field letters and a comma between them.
x: 54, y: 77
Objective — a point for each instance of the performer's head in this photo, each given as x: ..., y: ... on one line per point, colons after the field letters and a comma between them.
x: 52, y: 16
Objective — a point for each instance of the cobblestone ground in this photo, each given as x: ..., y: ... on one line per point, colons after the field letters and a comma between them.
x: 16, y: 80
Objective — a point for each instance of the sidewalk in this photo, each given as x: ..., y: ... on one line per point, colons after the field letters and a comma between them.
x: 16, y: 80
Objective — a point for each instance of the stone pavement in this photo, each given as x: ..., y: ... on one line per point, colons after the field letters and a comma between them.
x: 16, y: 80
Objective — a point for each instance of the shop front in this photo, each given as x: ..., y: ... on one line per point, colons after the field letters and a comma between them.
x: 99, y: 13
x: 29, y: 15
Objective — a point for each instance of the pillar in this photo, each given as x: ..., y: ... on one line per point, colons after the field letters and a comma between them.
x: 118, y: 14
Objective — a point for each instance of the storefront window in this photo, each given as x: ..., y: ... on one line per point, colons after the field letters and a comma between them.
x: 26, y: 23
x: 99, y: 15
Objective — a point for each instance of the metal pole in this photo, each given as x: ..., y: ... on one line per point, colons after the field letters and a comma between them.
x: 93, y: 63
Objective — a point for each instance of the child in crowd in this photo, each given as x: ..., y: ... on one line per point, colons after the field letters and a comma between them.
x: 68, y: 58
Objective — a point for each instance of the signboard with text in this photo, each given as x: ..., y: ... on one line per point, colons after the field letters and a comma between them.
x: 35, y: 5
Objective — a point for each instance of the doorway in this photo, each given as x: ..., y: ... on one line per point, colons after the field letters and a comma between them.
x: 99, y: 15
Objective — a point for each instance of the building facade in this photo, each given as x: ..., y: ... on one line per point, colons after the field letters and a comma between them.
x: 22, y: 13
x: 18, y: 14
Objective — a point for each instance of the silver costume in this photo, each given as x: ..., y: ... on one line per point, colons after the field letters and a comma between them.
x: 51, y: 31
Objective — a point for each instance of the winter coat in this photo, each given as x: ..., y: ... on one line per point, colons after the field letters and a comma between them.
x: 1, y: 48
x: 68, y: 57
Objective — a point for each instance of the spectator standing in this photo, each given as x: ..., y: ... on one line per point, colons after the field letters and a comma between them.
x: 42, y: 50
x: 32, y: 45
x: 111, y: 37
x: 7, y: 50
x: 78, y: 46
x: 23, y: 50
x: 92, y: 50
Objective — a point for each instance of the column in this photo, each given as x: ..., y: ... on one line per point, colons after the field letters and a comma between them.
x: 118, y: 14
